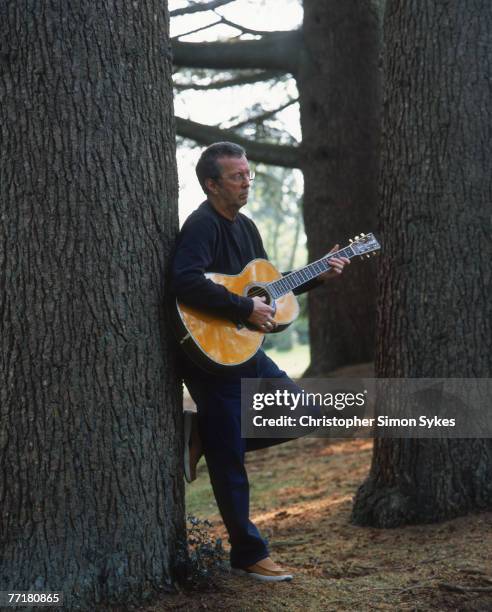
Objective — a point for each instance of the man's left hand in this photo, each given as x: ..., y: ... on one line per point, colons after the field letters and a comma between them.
x: 337, y: 265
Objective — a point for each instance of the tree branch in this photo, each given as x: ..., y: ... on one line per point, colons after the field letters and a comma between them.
x: 242, y: 28
x: 198, y: 7
x: 200, y: 29
x: 265, y: 75
x: 274, y: 51
x: 276, y: 155
x: 266, y: 115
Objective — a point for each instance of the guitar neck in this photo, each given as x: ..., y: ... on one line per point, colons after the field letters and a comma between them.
x: 295, y: 279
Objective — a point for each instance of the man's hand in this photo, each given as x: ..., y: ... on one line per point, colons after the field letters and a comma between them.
x: 262, y: 315
x: 337, y: 264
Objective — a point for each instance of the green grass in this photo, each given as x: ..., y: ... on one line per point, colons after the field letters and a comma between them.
x: 200, y: 499
x: 294, y: 362
x: 269, y: 478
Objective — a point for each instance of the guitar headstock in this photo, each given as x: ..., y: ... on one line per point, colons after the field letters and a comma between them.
x: 364, y: 245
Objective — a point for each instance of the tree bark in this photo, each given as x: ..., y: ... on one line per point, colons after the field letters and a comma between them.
x: 434, y: 312
x: 339, y: 88
x: 90, y: 485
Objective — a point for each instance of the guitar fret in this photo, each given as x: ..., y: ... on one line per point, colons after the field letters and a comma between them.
x: 291, y: 280
x: 297, y: 278
x: 312, y: 272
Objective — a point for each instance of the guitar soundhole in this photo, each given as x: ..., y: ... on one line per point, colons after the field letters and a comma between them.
x: 260, y: 292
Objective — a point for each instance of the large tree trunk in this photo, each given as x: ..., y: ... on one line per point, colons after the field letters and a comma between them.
x: 434, y: 313
x: 90, y: 485
x: 339, y: 89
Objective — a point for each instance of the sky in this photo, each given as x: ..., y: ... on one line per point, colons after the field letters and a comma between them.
x: 214, y: 107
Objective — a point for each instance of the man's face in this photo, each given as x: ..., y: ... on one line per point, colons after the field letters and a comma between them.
x: 233, y: 185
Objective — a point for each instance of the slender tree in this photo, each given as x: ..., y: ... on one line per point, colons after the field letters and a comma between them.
x: 90, y: 485
x: 434, y: 313
x: 334, y: 59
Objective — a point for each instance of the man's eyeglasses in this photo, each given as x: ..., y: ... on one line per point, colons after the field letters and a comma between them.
x: 240, y: 177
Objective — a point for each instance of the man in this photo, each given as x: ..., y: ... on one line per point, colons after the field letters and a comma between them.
x: 218, y: 238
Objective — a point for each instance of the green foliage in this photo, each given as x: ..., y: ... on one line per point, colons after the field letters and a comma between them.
x: 302, y: 330
x: 205, y: 556
x: 283, y: 341
x: 276, y: 207
x: 297, y: 333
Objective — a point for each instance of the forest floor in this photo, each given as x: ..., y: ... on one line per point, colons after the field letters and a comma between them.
x: 301, y: 500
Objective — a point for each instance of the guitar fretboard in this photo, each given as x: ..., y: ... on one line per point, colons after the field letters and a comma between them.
x: 295, y: 279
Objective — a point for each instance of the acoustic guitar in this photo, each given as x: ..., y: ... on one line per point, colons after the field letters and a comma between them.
x: 216, y: 344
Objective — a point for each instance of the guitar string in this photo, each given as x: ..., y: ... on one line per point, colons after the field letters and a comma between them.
x: 323, y: 260
x: 262, y: 290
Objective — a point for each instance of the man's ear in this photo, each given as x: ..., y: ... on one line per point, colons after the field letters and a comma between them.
x: 211, y: 185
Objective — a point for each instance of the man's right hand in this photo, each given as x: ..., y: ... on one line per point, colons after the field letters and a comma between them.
x: 262, y: 315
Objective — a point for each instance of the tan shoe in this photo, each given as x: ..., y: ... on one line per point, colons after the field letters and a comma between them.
x: 265, y: 570
x: 193, y: 449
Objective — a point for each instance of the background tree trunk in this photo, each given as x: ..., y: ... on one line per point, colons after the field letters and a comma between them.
x: 434, y: 314
x: 90, y: 485
x: 339, y: 93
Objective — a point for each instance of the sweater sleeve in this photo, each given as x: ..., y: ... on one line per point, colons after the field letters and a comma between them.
x: 307, y: 286
x: 193, y: 256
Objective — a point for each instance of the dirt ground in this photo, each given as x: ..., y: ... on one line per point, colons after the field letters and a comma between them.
x: 301, y: 500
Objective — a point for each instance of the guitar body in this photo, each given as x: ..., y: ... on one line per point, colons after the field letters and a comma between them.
x: 216, y: 344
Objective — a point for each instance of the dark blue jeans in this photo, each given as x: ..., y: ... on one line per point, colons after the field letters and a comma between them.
x: 218, y: 403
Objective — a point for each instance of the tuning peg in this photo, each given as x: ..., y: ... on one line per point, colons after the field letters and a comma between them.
x: 368, y: 256
x: 362, y: 235
x: 350, y: 240
x: 357, y: 238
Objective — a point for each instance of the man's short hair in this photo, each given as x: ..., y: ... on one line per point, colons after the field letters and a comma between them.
x: 208, y: 166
